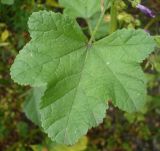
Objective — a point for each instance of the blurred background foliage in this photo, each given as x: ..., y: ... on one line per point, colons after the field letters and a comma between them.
x: 120, y: 131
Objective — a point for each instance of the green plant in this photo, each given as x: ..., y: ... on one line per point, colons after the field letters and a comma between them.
x: 81, y: 75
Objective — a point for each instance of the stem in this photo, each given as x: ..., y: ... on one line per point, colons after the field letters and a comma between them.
x: 4, y: 44
x: 151, y: 22
x: 97, y: 26
x: 113, y: 23
x: 90, y: 27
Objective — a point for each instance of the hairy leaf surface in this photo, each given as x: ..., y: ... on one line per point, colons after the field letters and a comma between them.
x: 81, y: 78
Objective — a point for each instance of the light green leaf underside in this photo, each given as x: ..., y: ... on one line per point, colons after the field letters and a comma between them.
x: 81, y: 8
x: 31, y: 106
x: 81, y: 78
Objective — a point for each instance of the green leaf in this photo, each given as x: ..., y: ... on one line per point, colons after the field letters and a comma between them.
x: 31, y: 105
x: 81, y: 8
x: 8, y: 2
x: 60, y: 33
x: 81, y: 78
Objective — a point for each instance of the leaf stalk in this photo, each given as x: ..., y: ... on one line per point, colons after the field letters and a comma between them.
x: 113, y: 23
x: 98, y: 23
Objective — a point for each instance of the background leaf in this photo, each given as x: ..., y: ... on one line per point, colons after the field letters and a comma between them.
x: 31, y: 105
x: 82, y: 8
x: 103, y: 29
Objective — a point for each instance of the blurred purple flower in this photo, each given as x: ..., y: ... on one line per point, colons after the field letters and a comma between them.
x: 145, y: 10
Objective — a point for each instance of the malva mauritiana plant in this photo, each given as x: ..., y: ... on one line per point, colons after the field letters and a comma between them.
x: 74, y: 77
